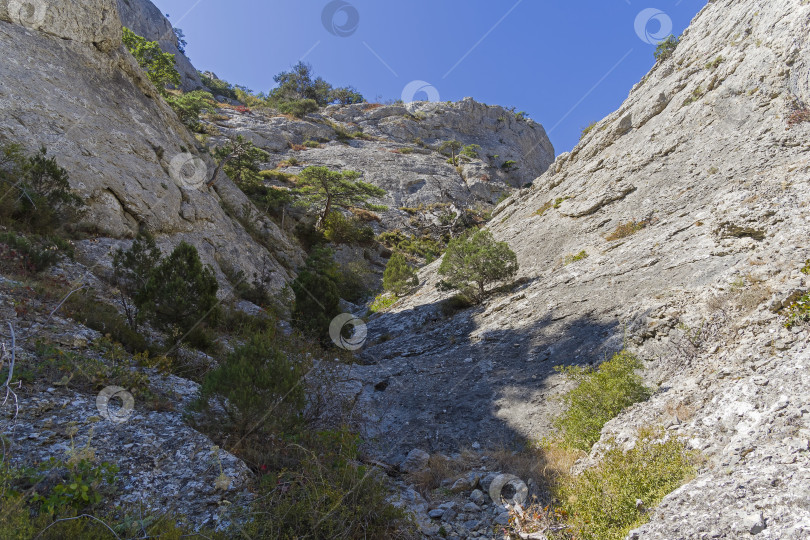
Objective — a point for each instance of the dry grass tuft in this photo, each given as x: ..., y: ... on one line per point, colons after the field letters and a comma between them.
x: 626, y: 229
x: 680, y: 410
x: 799, y: 116
x: 542, y: 210
x: 365, y: 215
x: 545, y: 464
x: 746, y: 294
x: 439, y: 468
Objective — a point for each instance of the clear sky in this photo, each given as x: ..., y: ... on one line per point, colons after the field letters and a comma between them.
x: 565, y: 62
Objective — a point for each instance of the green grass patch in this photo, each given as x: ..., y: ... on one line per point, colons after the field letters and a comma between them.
x: 569, y: 259
x: 554, y: 203
x: 798, y: 312
x: 715, y: 63
x: 23, y: 255
x: 624, y: 230
x: 587, y: 129
x: 66, y: 499
x: 382, y: 302
x: 110, y: 366
x: 279, y: 176
x: 601, y: 502
x: 423, y: 246
x: 599, y: 396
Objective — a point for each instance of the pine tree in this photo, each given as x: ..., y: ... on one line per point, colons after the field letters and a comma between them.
x: 240, y: 158
x: 159, y: 66
x: 476, y: 260
x: 255, y: 378
x: 316, y: 293
x: 131, y: 270
x: 180, y: 292
x: 325, y: 190
x: 399, y: 277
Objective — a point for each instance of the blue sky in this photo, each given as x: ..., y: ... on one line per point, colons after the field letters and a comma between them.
x: 566, y: 63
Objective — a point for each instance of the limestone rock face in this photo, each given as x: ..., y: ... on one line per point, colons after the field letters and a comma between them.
x: 145, y: 19
x: 93, y: 22
x: 396, y: 148
x: 128, y: 155
x: 690, y: 202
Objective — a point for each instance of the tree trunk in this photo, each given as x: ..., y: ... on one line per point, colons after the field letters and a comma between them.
x: 325, y: 214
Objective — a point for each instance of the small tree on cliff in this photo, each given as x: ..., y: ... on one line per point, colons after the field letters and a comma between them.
x: 473, y: 261
x: 316, y: 293
x: 324, y: 190
x: 399, y: 277
x: 179, y: 292
x: 132, y: 269
x: 666, y: 48
x: 159, y: 66
x: 452, y: 148
x: 241, y: 160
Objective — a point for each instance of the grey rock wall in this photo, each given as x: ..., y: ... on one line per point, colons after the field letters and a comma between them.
x: 124, y: 148
x: 701, y: 153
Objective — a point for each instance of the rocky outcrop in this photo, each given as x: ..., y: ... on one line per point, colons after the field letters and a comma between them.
x: 128, y: 155
x: 702, y: 161
x: 396, y: 148
x: 164, y: 464
x: 145, y: 19
x: 95, y: 22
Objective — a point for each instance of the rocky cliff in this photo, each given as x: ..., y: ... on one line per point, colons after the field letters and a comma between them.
x: 677, y: 227
x: 396, y: 148
x: 68, y: 83
x: 128, y: 155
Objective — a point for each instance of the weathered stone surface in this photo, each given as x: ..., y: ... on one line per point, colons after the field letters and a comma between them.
x: 100, y: 117
x: 164, y: 464
x: 416, y: 460
x: 93, y: 22
x: 398, y: 151
x: 703, y: 158
x: 436, y: 513
x: 466, y: 482
x: 700, y: 154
